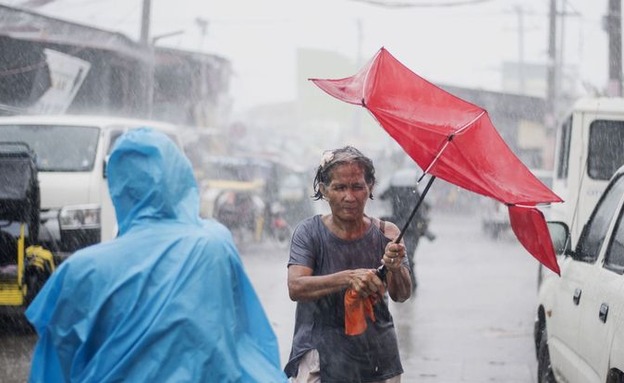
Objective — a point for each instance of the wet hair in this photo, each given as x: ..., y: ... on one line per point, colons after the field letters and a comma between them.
x: 341, y: 156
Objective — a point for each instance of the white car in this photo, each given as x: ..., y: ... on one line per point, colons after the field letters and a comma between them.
x: 579, y: 329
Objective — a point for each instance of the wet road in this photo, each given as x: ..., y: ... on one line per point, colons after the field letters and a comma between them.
x: 16, y: 342
x: 470, y: 321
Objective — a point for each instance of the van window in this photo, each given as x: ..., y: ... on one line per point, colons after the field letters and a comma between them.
x: 605, y: 148
x: 564, y: 149
x: 614, y: 259
x: 594, y: 233
x: 58, y: 148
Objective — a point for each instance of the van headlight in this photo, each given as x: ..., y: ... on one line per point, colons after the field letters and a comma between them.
x: 80, y: 217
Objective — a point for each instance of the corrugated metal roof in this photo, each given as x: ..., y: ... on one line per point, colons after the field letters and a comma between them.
x: 27, y: 25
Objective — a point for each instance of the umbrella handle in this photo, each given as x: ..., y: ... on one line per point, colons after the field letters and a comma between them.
x: 381, y: 270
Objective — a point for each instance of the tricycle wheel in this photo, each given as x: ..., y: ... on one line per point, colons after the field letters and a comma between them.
x: 35, y: 279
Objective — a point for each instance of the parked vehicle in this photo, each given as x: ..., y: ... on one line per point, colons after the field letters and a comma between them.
x: 24, y: 264
x: 76, y: 209
x: 588, y: 152
x: 240, y: 208
x: 278, y: 195
x: 579, y: 328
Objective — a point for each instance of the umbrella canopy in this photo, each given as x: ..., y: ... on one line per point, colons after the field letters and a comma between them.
x: 452, y: 139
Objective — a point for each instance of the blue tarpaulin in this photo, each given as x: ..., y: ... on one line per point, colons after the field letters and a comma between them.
x: 168, y: 300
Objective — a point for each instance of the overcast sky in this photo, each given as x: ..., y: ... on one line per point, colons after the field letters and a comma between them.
x: 455, y: 45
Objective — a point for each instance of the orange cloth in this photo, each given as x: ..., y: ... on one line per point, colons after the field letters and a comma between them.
x: 356, y: 311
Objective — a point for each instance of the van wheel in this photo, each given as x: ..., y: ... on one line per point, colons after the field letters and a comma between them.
x: 615, y: 376
x: 544, y: 368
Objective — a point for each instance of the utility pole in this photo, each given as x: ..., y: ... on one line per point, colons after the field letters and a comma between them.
x: 146, y: 41
x: 202, y: 24
x: 145, y: 22
x: 200, y: 107
x: 551, y: 86
x: 613, y: 26
x: 521, y: 64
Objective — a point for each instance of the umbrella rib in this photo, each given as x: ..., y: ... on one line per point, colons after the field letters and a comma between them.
x: 470, y: 123
x: 448, y: 141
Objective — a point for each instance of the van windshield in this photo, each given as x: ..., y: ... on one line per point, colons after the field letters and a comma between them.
x: 58, y: 148
x: 605, y: 148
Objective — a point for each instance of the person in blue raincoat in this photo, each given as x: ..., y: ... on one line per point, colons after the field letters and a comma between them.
x: 168, y: 300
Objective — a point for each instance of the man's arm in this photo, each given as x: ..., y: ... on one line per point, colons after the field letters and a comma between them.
x: 303, y: 286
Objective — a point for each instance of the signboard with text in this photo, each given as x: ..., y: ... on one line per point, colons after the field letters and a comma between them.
x: 66, y: 74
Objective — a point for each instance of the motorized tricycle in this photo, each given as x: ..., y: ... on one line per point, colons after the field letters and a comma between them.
x: 25, y: 265
x: 239, y: 207
x: 251, y: 196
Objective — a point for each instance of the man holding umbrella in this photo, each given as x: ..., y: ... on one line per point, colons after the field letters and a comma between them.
x: 343, y: 329
x: 452, y: 139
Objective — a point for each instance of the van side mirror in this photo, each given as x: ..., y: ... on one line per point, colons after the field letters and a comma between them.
x: 560, y: 236
x: 104, y: 166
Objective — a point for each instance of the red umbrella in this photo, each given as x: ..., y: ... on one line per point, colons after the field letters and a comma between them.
x: 452, y: 139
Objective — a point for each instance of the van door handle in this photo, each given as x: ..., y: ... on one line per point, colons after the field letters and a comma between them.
x: 602, y: 314
x: 577, y: 296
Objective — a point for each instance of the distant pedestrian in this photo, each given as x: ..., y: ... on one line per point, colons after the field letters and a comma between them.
x: 403, y: 199
x: 168, y: 300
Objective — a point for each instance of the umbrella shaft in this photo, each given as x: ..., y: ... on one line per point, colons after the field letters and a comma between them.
x: 381, y: 270
x: 420, y: 200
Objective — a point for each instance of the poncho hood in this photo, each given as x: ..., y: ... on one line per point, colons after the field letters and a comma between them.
x: 150, y: 179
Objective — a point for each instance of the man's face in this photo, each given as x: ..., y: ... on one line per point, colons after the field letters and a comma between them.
x: 347, y: 193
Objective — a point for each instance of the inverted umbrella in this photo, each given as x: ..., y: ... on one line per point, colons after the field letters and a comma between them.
x: 452, y: 139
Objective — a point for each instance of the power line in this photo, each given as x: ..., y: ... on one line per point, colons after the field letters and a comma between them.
x: 412, y: 4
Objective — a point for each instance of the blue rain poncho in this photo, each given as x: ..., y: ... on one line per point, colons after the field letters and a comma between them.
x: 166, y: 301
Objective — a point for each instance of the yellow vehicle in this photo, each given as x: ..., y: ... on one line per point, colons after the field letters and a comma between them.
x: 255, y: 194
x: 24, y: 264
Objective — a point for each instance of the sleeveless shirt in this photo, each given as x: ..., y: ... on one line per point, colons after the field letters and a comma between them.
x: 319, y: 324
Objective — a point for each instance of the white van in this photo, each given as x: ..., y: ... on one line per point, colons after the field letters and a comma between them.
x: 76, y: 209
x: 579, y: 331
x: 589, y: 149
